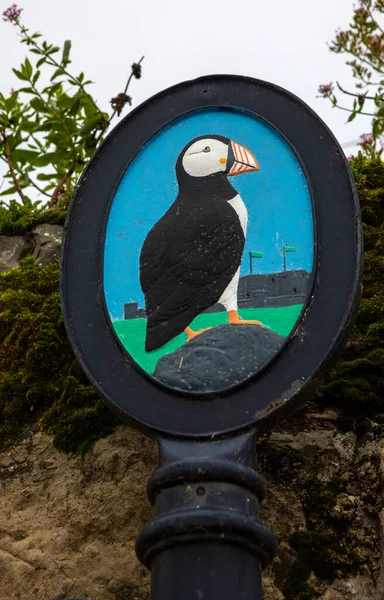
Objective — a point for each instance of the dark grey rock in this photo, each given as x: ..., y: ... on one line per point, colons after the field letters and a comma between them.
x: 12, y: 249
x: 47, y: 243
x: 219, y: 358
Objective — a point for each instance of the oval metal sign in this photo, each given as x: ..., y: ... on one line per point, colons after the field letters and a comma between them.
x: 209, y: 250
x: 212, y: 262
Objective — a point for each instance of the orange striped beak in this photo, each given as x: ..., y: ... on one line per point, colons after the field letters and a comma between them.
x: 244, y: 160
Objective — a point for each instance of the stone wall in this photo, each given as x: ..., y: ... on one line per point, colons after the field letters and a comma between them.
x: 43, y: 240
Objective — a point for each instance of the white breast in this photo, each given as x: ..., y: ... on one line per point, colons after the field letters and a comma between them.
x: 241, y: 211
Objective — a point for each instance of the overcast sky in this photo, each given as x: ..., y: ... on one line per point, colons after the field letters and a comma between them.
x: 281, y: 41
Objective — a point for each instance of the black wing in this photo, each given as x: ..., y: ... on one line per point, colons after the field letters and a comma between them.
x: 187, y: 261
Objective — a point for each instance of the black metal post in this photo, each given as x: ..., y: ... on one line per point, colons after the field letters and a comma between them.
x: 285, y: 258
x: 250, y: 262
x: 206, y: 540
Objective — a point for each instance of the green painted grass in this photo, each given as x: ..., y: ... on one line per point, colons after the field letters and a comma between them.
x: 131, y: 332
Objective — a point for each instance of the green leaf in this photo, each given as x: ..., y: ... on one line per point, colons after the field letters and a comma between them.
x: 380, y: 112
x: 28, y: 68
x: 27, y: 91
x: 24, y: 156
x: 46, y: 176
x: 66, y: 51
x: 30, y: 126
x: 75, y: 106
x: 20, y: 75
x: 9, y: 191
x: 51, y: 186
x: 57, y: 73
x: 47, y: 159
x: 36, y: 77
x: 65, y: 101
x: 53, y: 50
x: 11, y: 102
x: 377, y: 128
x: 41, y: 62
x: 351, y: 117
x: 38, y: 105
x: 89, y: 107
x: 90, y: 125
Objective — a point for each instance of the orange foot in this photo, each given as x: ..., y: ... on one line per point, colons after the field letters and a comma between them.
x: 192, y: 334
x: 234, y: 319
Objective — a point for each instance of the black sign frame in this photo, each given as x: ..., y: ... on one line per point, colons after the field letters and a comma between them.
x: 324, y: 326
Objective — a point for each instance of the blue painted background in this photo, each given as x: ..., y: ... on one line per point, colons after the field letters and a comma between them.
x: 277, y: 199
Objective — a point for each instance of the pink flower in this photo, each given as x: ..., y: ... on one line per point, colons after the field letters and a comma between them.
x: 349, y: 158
x: 11, y: 91
x: 366, y: 138
x: 12, y: 14
x: 326, y: 89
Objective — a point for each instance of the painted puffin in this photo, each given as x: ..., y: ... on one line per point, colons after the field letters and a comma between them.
x: 191, y: 257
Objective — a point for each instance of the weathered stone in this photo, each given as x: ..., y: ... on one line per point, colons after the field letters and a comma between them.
x: 47, y: 243
x: 12, y: 249
x: 219, y: 358
x: 69, y: 532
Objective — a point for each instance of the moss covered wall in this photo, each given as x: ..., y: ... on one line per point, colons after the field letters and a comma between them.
x: 40, y: 379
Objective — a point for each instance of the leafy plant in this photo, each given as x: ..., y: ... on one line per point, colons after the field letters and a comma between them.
x: 40, y: 377
x: 363, y: 43
x: 51, y: 125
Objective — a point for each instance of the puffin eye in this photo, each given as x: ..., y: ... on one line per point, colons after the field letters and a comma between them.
x: 207, y: 149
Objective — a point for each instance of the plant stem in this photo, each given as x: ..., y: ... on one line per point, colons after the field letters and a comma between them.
x: 16, y: 182
x: 57, y: 116
x: 350, y: 111
x: 115, y: 111
x: 60, y: 185
x: 54, y: 63
x: 353, y: 94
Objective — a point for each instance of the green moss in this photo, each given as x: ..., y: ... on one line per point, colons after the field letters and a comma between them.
x: 322, y: 497
x: 17, y: 219
x: 357, y: 383
x: 329, y: 547
x: 39, y: 375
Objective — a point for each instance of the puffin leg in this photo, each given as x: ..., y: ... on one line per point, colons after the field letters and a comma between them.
x: 192, y: 334
x: 234, y: 319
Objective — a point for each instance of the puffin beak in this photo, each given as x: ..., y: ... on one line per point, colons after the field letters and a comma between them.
x: 244, y: 160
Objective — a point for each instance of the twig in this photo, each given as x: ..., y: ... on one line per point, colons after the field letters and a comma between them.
x: 351, y: 111
x: 352, y: 94
x: 60, y: 185
x: 115, y: 111
x: 31, y: 182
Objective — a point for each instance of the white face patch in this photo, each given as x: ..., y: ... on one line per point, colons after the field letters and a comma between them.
x: 205, y: 157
